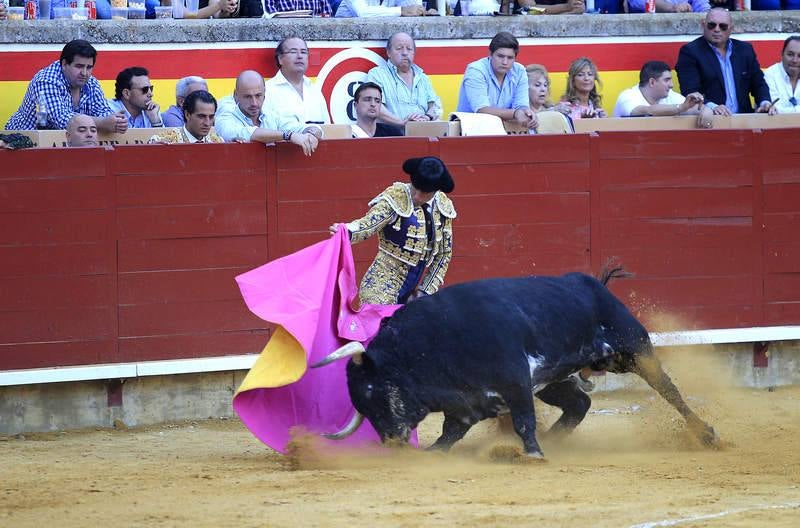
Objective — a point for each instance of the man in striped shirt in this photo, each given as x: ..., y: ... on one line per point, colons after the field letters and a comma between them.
x: 64, y: 88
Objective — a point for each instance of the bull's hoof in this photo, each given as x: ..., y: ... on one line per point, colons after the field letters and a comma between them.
x: 706, y: 434
x: 508, y: 454
x: 538, y: 455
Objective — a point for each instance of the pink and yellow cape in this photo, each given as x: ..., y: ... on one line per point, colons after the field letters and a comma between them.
x: 310, y: 295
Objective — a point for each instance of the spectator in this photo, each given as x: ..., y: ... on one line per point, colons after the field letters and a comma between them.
x: 173, y: 117
x: 557, y: 7
x: 3, y: 13
x: 782, y: 78
x: 81, y: 131
x: 199, y: 109
x: 407, y: 92
x: 538, y: 87
x: 368, y: 102
x: 582, y: 99
x: 387, y: 8
x: 497, y: 84
x: 671, y: 6
x: 241, y: 117
x: 724, y: 70
x: 414, y: 224
x: 235, y: 8
x: 133, y: 96
x: 290, y: 96
x: 318, y: 8
x: 64, y: 88
x: 215, y: 9
x: 654, y: 96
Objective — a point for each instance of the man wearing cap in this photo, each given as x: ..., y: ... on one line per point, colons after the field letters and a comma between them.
x: 414, y: 223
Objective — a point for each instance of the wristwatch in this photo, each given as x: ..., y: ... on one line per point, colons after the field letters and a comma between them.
x: 287, y: 135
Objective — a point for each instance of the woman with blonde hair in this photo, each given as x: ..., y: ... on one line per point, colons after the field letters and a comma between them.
x: 581, y: 99
x: 538, y: 87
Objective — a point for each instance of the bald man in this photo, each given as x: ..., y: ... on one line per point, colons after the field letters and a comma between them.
x: 81, y: 131
x: 241, y: 117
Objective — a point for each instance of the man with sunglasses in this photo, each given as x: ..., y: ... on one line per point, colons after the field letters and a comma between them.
x: 783, y: 78
x: 64, y: 88
x: 133, y: 96
x: 724, y: 70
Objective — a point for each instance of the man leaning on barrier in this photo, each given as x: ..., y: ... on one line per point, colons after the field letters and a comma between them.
x: 408, y: 94
x: 654, y: 96
x: 241, y: 117
x: 64, y: 88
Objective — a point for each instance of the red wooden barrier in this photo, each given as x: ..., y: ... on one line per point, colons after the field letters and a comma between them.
x: 127, y: 254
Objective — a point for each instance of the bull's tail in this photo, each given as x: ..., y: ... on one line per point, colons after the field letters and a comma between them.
x: 612, y: 270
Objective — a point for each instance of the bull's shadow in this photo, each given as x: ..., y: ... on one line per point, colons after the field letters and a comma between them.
x: 480, y: 349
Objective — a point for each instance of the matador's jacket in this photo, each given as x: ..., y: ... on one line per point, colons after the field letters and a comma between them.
x: 404, y: 243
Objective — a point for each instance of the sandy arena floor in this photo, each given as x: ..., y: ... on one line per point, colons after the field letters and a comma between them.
x: 629, y: 464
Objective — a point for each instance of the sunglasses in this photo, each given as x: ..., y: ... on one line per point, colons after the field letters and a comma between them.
x: 713, y: 25
x: 146, y: 89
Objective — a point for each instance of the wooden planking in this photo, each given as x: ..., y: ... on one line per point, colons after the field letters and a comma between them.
x: 782, y: 313
x: 689, y: 203
x: 538, y: 176
x: 49, y: 195
x: 686, y: 233
x: 474, y: 268
x: 192, y: 253
x: 89, y: 258
x: 60, y: 163
x: 664, y: 261
x: 689, y: 144
x: 781, y: 287
x: 178, y: 286
x: 221, y: 219
x: 53, y: 292
x: 782, y: 257
x: 57, y: 353
x: 667, y: 173
x: 520, y: 239
x: 57, y: 227
x: 709, y: 290
x: 185, y: 318
x: 782, y: 227
x: 782, y: 198
x: 201, y: 187
x: 193, y: 346
x: 513, y: 150
x: 657, y: 318
x: 348, y: 153
x: 57, y: 324
x: 181, y: 158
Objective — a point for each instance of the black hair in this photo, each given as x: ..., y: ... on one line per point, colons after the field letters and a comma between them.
x: 788, y: 40
x: 125, y: 77
x: 504, y: 39
x: 190, y: 102
x: 78, y: 47
x: 365, y: 86
x: 652, y: 70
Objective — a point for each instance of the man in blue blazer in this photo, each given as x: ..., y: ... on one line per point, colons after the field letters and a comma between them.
x: 724, y: 70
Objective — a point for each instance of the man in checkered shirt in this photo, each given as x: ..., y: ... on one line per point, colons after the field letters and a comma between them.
x: 64, y: 88
x: 319, y: 8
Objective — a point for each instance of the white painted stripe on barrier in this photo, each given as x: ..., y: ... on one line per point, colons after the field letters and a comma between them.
x: 246, y: 361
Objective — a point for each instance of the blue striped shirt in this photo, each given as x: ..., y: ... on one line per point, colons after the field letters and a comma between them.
x: 727, y: 76
x: 399, y: 98
x: 50, y: 86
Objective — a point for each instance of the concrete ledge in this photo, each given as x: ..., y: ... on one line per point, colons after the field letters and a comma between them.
x: 378, y: 29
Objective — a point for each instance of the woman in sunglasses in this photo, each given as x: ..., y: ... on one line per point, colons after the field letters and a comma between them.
x: 782, y: 78
x: 724, y: 70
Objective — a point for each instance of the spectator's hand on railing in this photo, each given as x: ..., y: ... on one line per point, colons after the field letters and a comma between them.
x: 576, y: 6
x: 722, y: 110
x: 431, y: 12
x: 417, y: 117
x: 683, y: 7
x: 113, y: 123
x: 307, y: 142
x: 526, y: 117
x: 692, y: 100
x: 705, y: 119
x: 412, y: 10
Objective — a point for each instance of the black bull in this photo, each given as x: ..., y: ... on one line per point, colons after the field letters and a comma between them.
x: 483, y: 348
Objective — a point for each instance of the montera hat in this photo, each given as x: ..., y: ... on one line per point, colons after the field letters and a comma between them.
x: 429, y: 174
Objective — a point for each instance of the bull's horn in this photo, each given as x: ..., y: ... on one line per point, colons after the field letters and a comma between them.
x: 353, y: 348
x: 349, y: 429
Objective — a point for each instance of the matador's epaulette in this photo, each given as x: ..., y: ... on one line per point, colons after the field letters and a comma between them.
x: 445, y: 205
x: 398, y: 196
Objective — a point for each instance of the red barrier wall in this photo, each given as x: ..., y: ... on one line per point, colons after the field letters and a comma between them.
x: 129, y: 253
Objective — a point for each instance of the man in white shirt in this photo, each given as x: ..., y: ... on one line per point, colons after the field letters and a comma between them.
x: 782, y: 78
x: 654, y: 96
x: 290, y: 96
x: 385, y: 8
x: 241, y: 117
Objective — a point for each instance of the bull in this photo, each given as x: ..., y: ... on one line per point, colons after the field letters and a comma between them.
x: 481, y: 349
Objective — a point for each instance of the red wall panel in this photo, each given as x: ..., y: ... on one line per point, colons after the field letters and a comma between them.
x: 112, y: 255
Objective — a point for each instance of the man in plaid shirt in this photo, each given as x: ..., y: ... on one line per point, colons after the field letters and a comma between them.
x: 64, y: 88
x: 318, y: 7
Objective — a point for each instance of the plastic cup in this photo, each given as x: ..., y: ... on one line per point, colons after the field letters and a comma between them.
x: 136, y: 13
x: 78, y: 13
x: 163, y: 11
x: 62, y: 12
x: 16, y: 13
x: 44, y: 9
x: 119, y: 13
x: 192, y: 6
